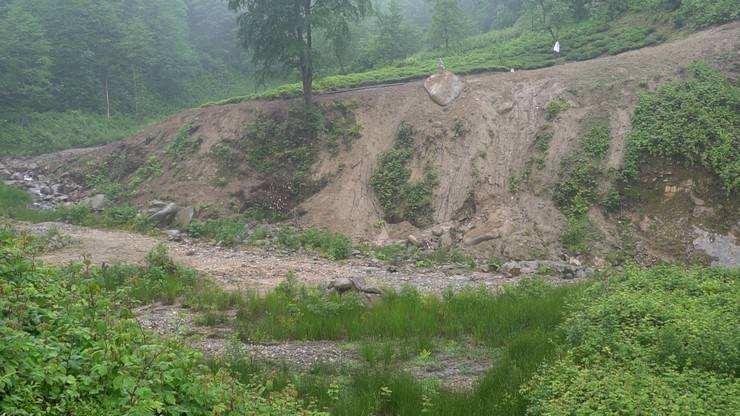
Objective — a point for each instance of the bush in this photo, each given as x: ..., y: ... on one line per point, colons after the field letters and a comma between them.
x: 659, y: 341
x: 68, y: 346
x: 401, y: 199
x: 695, y: 121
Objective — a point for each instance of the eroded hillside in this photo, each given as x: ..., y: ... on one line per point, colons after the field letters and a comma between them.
x: 495, y: 154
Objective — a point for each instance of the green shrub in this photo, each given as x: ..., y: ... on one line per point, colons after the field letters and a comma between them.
x: 658, y: 341
x: 69, y: 346
x: 184, y: 144
x: 577, y: 190
x: 333, y: 246
x: 555, y: 107
x: 120, y: 216
x: 695, y: 121
x: 704, y: 13
x: 577, y: 235
x: 401, y: 199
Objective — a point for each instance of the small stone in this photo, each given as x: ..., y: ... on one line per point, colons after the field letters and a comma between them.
x: 45, y: 190
x: 173, y: 235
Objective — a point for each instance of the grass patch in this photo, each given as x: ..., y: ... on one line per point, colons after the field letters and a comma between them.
x: 35, y: 133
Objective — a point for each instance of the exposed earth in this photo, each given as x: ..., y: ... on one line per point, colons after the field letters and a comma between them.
x: 475, y: 145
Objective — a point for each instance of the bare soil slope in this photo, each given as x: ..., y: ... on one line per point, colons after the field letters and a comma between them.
x: 501, y: 113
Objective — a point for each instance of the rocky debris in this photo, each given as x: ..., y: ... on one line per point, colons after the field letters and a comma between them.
x: 354, y: 283
x: 96, y: 202
x: 478, y: 239
x: 47, y: 193
x: 165, y: 215
x: 174, y: 235
x: 184, y: 217
x: 155, y: 206
x: 443, y: 87
x: 545, y: 267
x: 724, y: 250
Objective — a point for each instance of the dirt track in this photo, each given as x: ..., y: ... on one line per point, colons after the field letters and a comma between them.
x: 254, y: 267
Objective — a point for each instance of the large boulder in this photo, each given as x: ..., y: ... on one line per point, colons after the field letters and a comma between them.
x: 165, y: 215
x: 443, y: 87
x: 96, y: 203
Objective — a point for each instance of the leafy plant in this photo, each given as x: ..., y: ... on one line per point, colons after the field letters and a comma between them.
x: 652, y: 341
x: 400, y: 198
x: 695, y: 121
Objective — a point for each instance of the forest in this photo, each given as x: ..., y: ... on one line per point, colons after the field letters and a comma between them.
x: 81, y: 72
x: 258, y: 207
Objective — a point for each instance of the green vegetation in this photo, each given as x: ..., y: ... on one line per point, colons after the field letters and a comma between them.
x: 658, y: 341
x: 69, y: 345
x: 401, y: 199
x: 694, y: 121
x: 578, y: 189
x: 184, y: 144
x: 51, y: 131
x: 555, y: 107
x: 286, y: 146
x: 662, y: 339
x: 238, y: 230
x: 16, y: 204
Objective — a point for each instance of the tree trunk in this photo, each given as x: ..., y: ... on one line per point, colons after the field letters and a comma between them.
x: 307, y: 60
x: 107, y: 99
x: 136, y: 101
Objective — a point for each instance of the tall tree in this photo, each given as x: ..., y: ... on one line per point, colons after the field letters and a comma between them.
x: 395, y: 39
x: 280, y: 32
x: 448, y: 22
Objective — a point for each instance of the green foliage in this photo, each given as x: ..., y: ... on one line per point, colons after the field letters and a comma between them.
x: 229, y: 232
x: 493, y: 51
x: 184, y: 145
x: 704, y: 13
x: 333, y: 246
x: 150, y: 169
x: 448, y: 23
x: 68, y: 345
x: 400, y: 198
x: 696, y: 121
x: 659, y: 341
x: 577, y: 190
x: 280, y: 32
x: 32, y: 133
x: 24, y: 59
x: 555, y: 107
x: 577, y: 235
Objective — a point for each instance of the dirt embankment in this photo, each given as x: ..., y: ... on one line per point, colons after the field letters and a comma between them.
x: 499, y: 114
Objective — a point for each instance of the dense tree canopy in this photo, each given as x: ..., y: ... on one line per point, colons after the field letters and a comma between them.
x: 280, y: 32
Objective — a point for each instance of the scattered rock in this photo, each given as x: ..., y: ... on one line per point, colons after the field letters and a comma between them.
x: 443, y: 87
x: 512, y: 269
x: 184, y: 217
x: 342, y: 285
x: 96, y: 203
x: 165, y: 215
x: 173, y: 235
x: 412, y: 240
x: 45, y: 190
x: 475, y: 240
